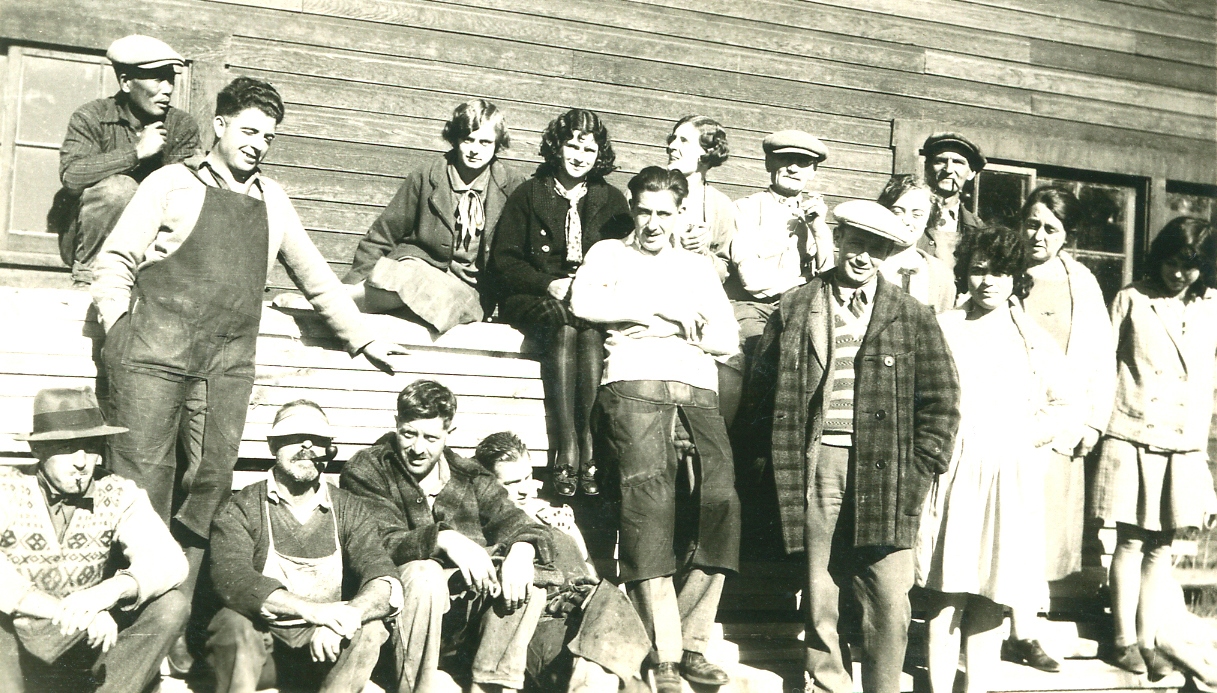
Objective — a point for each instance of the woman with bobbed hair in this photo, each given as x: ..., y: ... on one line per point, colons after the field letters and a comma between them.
x: 547, y: 226
x: 425, y: 253
x: 697, y: 145
x: 1066, y: 301
x: 1153, y: 476
x: 922, y: 275
x: 978, y: 547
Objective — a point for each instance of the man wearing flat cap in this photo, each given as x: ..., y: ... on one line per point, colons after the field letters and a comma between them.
x: 855, y: 391
x: 67, y: 609
x: 114, y: 143
x: 301, y: 570
x: 951, y: 160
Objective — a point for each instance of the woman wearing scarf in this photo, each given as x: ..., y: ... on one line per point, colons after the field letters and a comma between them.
x: 423, y: 256
x: 548, y: 225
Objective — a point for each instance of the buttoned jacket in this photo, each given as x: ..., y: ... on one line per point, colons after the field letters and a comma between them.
x: 906, y: 409
x: 420, y: 222
x: 1164, y: 376
x: 529, y: 250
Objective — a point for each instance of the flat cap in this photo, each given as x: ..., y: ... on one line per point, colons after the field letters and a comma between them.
x: 796, y: 141
x: 940, y: 141
x: 874, y: 218
x: 145, y: 52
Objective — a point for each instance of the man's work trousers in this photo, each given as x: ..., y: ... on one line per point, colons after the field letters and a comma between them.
x: 144, y: 638
x: 501, y: 638
x: 101, y: 204
x: 880, y: 578
x: 246, y: 657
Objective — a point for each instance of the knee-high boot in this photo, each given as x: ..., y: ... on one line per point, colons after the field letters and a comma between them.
x: 591, y: 366
x: 560, y: 381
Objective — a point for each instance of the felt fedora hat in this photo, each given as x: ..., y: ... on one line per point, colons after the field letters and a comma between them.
x: 64, y: 413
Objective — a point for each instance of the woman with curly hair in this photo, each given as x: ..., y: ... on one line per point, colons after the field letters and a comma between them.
x: 980, y: 545
x: 1152, y: 477
x: 424, y: 254
x: 547, y: 226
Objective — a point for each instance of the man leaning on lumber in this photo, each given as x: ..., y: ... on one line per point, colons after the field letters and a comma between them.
x: 452, y: 530
x: 179, y: 286
x: 68, y: 613
x: 304, y: 578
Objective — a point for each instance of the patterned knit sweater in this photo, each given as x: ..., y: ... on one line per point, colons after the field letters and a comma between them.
x: 32, y: 557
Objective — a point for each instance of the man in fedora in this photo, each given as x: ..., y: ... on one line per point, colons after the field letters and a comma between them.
x: 858, y: 398
x: 301, y: 570
x: 65, y: 607
x: 114, y: 143
x: 951, y: 160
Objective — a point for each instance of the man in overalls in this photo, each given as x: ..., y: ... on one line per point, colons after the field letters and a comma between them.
x: 282, y: 551
x: 179, y: 286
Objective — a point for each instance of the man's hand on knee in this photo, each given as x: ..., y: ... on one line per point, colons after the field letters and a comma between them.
x: 102, y: 632
x: 471, y: 559
x: 517, y: 574
x: 325, y: 645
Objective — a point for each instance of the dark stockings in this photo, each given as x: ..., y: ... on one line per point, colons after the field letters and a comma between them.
x: 571, y: 376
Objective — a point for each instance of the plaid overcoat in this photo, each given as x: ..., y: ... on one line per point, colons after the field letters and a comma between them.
x: 906, y: 409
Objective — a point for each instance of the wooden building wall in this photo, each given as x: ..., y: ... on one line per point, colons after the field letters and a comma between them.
x: 1118, y: 86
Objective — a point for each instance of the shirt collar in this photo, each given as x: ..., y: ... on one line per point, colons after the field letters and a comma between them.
x: 844, y: 293
x: 321, y: 499
x: 54, y: 497
x: 119, y: 111
x: 437, y: 478
x: 221, y: 178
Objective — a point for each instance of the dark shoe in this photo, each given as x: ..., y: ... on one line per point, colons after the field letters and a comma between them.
x: 697, y: 670
x: 1028, y: 653
x: 1128, y: 658
x: 1157, y: 664
x: 179, y: 659
x: 564, y: 481
x: 587, y: 481
x: 667, y: 677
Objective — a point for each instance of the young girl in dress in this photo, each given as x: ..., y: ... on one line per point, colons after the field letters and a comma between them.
x: 1153, y: 477
x: 980, y: 546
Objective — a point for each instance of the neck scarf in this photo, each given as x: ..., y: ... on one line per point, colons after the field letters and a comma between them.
x: 470, y: 209
x: 574, y: 227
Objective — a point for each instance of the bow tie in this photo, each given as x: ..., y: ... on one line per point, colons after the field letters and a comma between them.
x: 83, y: 502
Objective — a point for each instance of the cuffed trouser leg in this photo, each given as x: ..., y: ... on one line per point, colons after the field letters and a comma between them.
x: 101, y: 204
x: 659, y: 608
x: 502, y: 651
x: 416, y: 640
x: 698, y: 602
x: 136, y: 656
x: 237, y: 652
x: 824, y: 661
x: 881, y: 581
x: 353, y: 668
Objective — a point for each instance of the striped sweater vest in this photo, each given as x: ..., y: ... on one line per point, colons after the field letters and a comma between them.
x: 847, y: 340
x: 30, y: 542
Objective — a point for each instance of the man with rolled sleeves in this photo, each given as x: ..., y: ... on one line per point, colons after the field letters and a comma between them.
x: 951, y: 160
x: 178, y: 288
x: 857, y: 394
x: 114, y: 143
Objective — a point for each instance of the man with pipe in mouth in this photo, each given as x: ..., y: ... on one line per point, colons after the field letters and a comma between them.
x: 70, y: 612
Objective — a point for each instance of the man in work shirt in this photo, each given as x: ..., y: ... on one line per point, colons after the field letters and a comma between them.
x: 179, y: 287
x: 114, y: 143
x: 951, y: 160
x: 303, y: 575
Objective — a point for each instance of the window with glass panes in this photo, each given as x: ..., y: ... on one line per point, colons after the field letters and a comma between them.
x: 1111, y: 236
x: 42, y: 88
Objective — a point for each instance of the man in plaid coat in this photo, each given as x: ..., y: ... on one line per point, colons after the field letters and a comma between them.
x: 856, y: 392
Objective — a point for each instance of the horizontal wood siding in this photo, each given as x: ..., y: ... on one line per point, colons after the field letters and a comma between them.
x: 369, y: 83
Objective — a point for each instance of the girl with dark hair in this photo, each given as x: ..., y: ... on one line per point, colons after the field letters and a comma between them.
x: 425, y: 254
x: 696, y: 145
x: 1066, y: 301
x: 547, y: 226
x: 922, y: 275
x: 1152, y: 476
x: 972, y: 553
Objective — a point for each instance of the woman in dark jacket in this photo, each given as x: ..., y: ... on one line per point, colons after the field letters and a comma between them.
x: 427, y: 249
x: 547, y: 226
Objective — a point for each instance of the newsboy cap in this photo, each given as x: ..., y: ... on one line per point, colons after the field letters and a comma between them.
x: 940, y: 141
x: 874, y: 218
x: 795, y: 141
x: 144, y: 52
x: 67, y: 413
